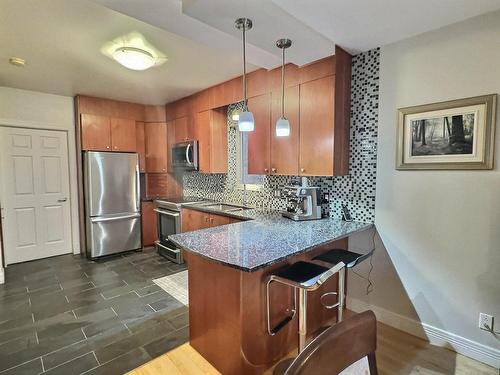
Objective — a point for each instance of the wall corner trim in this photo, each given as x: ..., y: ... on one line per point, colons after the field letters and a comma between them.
x: 2, y: 275
x: 434, y: 335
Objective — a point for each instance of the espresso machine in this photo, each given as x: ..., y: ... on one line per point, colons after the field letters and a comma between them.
x: 302, y: 202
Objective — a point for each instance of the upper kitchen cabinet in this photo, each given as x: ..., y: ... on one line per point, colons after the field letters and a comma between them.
x: 285, y: 150
x: 123, y: 135
x: 102, y: 133
x: 257, y: 83
x: 141, y: 145
x: 95, y: 132
x: 259, y: 145
x: 210, y: 130
x: 156, y: 147
x: 317, y: 69
x: 182, y: 129
x: 226, y: 93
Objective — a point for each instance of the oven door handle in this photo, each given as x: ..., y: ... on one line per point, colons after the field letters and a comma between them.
x: 187, y: 154
x: 163, y: 212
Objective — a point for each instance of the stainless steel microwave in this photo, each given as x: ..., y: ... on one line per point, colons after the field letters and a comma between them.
x: 185, y: 155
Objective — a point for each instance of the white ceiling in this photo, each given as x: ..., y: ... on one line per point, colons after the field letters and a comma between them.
x: 61, y: 39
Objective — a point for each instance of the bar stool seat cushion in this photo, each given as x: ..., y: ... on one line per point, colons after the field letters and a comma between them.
x: 301, y: 272
x: 335, y: 256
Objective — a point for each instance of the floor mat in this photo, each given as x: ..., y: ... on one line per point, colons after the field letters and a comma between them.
x: 176, y: 285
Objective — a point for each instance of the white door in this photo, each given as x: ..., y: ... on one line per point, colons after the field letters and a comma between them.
x: 34, y: 194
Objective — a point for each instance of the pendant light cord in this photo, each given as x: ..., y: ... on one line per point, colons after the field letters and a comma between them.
x: 244, y: 68
x: 283, y: 82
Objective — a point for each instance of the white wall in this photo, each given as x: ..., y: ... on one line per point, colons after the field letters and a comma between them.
x: 32, y: 109
x: 438, y: 255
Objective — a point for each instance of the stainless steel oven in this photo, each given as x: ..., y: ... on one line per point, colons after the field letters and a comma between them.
x: 185, y: 155
x: 169, y: 222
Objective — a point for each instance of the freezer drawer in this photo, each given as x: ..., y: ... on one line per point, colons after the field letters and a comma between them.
x: 110, y: 235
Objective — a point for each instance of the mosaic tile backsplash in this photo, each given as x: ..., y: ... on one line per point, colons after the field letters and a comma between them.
x: 357, y: 189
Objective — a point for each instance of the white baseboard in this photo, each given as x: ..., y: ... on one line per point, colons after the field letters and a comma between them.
x: 2, y: 275
x: 434, y: 335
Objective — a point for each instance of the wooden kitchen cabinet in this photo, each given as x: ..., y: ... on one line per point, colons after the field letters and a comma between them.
x: 285, y: 150
x: 316, y: 127
x: 123, y: 135
x: 182, y: 129
x: 149, y: 224
x: 226, y: 93
x: 95, y: 132
x: 259, y: 143
x: 140, y: 145
x: 196, y: 220
x: 156, y: 147
x: 210, y: 129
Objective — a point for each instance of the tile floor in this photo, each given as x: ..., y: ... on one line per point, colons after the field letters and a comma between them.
x: 68, y: 315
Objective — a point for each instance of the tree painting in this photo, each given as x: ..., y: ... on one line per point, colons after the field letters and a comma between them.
x: 443, y: 135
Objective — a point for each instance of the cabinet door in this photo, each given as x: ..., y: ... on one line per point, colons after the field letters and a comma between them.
x: 181, y: 126
x: 218, y: 141
x: 285, y: 150
x: 193, y: 220
x: 217, y: 220
x: 96, y: 132
x: 316, y: 127
x: 140, y: 145
x: 123, y: 135
x: 156, y: 147
x: 259, y: 144
x: 202, y: 134
x: 149, y: 224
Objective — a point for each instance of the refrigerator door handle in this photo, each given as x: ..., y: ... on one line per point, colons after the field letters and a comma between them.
x: 138, y: 186
x: 114, y: 218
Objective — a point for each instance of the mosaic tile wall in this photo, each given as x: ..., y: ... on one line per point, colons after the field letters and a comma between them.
x: 357, y: 189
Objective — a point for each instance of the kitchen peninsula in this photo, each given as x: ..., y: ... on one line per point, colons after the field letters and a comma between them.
x: 228, y: 266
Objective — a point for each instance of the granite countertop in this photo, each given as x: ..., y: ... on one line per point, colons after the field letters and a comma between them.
x: 263, y: 238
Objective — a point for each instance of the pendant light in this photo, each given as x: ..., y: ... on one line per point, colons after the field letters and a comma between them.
x: 245, y: 120
x: 283, y: 125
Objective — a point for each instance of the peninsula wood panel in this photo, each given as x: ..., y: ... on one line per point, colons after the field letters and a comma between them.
x: 285, y: 150
x: 123, y: 135
x: 95, y: 132
x: 317, y: 127
x: 156, y: 147
x: 140, y: 145
x: 149, y: 224
x: 259, y: 142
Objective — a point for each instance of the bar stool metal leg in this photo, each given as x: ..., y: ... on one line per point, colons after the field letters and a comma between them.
x: 302, y: 319
x: 341, y: 295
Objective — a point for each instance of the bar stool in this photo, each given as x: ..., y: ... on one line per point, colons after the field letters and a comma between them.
x: 303, y: 277
x: 349, y: 259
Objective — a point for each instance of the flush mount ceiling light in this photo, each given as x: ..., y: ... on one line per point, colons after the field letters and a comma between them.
x: 245, y: 119
x: 133, y: 52
x: 17, y: 61
x: 283, y: 125
x: 134, y: 58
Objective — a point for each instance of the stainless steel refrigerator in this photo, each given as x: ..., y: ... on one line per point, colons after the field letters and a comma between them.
x: 112, y: 202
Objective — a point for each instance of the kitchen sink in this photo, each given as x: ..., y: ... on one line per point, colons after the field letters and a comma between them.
x: 225, y: 207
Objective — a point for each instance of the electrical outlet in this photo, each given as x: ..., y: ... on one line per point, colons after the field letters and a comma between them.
x: 277, y: 193
x: 486, y: 322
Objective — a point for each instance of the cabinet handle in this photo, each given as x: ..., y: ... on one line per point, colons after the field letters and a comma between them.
x: 212, y: 220
x: 107, y: 146
x: 206, y: 219
x: 266, y: 170
x: 116, y: 147
x: 302, y: 170
x: 273, y: 170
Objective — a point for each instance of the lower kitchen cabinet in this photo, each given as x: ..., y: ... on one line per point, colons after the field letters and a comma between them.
x: 149, y: 224
x: 195, y: 220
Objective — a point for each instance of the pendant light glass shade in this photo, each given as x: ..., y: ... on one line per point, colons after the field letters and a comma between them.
x: 246, y: 121
x: 282, y: 127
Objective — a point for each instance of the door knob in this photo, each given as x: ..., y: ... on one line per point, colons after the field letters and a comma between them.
x: 302, y: 170
x: 62, y: 200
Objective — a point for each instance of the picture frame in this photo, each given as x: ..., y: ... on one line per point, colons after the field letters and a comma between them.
x: 455, y: 134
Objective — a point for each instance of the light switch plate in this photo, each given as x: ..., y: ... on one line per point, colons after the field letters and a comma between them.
x: 486, y: 322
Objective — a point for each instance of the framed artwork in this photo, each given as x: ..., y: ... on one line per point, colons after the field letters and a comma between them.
x: 457, y: 134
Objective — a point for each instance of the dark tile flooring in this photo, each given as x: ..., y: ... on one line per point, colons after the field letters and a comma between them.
x: 68, y: 315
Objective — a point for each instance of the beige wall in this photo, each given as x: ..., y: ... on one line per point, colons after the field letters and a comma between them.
x: 438, y: 255
x: 32, y: 109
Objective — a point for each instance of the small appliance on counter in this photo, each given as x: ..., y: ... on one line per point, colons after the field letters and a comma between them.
x: 302, y: 202
x: 185, y: 155
x: 169, y: 222
x: 112, y: 202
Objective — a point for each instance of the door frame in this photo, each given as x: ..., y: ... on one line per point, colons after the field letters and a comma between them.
x: 72, y: 171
